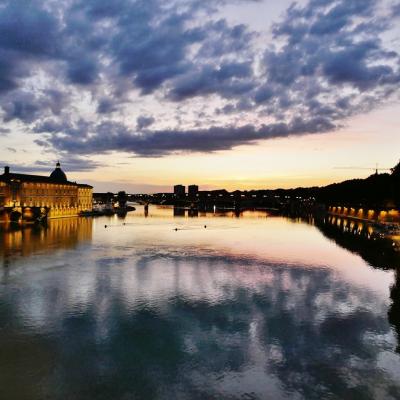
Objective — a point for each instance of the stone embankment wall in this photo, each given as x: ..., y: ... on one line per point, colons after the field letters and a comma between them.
x: 383, y: 216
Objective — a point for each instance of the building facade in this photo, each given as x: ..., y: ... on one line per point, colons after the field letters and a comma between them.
x: 33, y: 196
x: 179, y: 190
x: 193, y: 190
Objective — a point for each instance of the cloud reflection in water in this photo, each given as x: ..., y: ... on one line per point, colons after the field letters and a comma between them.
x: 186, y: 321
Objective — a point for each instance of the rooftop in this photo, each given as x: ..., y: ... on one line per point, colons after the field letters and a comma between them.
x: 8, y: 176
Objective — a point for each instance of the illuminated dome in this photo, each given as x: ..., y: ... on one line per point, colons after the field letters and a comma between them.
x: 58, y: 174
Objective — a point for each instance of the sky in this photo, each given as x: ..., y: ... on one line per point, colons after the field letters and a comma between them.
x: 140, y: 95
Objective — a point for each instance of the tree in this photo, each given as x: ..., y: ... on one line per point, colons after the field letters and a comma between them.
x: 396, y: 170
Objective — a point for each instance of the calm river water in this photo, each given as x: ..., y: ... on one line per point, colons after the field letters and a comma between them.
x: 253, y: 307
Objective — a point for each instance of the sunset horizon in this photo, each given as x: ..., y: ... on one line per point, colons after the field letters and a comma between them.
x: 199, y: 199
x: 200, y: 92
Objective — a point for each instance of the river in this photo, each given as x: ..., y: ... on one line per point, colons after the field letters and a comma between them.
x: 165, y: 306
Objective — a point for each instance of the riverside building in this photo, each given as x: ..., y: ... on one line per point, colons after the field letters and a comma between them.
x: 179, y: 191
x: 33, y: 196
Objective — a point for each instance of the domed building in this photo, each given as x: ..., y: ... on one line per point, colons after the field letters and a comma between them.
x: 58, y: 174
x: 53, y: 195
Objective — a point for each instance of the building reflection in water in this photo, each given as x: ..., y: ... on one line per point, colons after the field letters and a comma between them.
x: 195, y: 212
x: 61, y: 233
x: 179, y: 212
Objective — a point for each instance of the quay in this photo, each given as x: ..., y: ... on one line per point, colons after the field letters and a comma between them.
x: 383, y: 216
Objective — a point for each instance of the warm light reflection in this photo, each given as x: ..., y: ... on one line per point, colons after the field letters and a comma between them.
x: 58, y: 233
x: 233, y: 295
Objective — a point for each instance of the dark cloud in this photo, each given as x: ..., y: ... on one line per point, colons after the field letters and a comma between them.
x: 82, y: 71
x: 9, y: 71
x: 225, y: 80
x: 326, y: 62
x: 23, y: 106
x: 224, y: 40
x: 351, y: 65
x: 331, y: 41
x: 28, y: 106
x: 99, y: 9
x: 4, y: 131
x: 79, y: 129
x: 144, y: 122
x: 396, y: 10
x: 264, y: 94
x: 26, y: 27
x: 27, y: 33
x: 331, y: 61
x: 106, y: 106
x: 110, y: 136
x: 69, y: 164
x: 152, y: 49
x: 339, y: 15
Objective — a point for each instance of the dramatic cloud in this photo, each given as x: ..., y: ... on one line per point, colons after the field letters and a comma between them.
x: 106, y: 106
x: 227, y: 80
x: 144, y: 122
x: 109, y: 136
x: 71, y: 164
x: 28, y: 34
x: 92, y: 76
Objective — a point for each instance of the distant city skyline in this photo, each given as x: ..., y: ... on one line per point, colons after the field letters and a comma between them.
x: 245, y: 94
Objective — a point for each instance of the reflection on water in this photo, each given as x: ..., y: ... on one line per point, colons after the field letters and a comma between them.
x: 362, y: 238
x: 58, y: 233
x: 209, y: 307
x: 359, y: 238
x: 394, y: 310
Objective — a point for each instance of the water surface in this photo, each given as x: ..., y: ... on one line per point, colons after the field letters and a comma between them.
x: 210, y: 307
